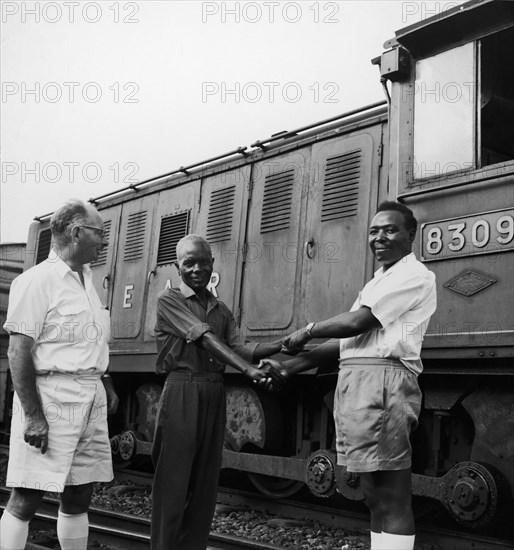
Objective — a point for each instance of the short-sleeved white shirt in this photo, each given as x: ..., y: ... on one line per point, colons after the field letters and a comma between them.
x: 402, y: 298
x: 69, y: 326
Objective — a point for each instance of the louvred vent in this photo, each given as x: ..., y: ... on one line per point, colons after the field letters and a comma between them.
x: 173, y: 228
x: 135, y: 239
x: 221, y: 213
x: 276, y: 207
x: 341, y: 186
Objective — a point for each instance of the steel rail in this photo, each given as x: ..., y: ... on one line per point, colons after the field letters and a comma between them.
x: 449, y: 539
x: 133, y: 532
x: 125, y: 532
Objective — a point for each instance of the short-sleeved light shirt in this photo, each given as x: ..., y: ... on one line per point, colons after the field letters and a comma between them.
x: 182, y: 320
x: 69, y: 326
x: 402, y: 298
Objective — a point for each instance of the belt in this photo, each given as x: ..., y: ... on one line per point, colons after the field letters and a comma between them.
x: 370, y: 362
x: 75, y: 375
x: 190, y: 376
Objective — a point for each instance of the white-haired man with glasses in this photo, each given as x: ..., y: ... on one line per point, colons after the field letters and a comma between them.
x: 58, y: 357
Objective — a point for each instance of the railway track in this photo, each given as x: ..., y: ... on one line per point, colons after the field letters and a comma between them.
x: 447, y: 539
x: 119, y: 531
x: 123, y: 532
x: 127, y: 532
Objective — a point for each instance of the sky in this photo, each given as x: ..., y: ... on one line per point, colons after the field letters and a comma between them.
x: 99, y: 95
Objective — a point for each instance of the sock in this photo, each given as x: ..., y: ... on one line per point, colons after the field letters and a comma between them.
x: 376, y: 539
x: 13, y: 532
x: 396, y: 542
x: 72, y: 531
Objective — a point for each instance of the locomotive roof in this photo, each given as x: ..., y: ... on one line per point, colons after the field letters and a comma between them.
x: 299, y: 137
x: 454, y: 26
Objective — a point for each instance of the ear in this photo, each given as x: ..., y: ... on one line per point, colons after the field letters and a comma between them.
x: 212, y: 263
x: 75, y: 233
x: 412, y: 233
x: 177, y: 267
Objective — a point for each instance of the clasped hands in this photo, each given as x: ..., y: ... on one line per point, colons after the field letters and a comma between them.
x: 273, y: 374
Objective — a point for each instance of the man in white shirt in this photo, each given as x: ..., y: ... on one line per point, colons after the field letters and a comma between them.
x: 378, y: 400
x: 58, y: 356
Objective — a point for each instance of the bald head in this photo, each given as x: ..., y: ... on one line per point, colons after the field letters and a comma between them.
x: 192, y: 240
x: 73, y: 212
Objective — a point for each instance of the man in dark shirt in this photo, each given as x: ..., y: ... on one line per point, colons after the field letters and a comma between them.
x: 196, y: 336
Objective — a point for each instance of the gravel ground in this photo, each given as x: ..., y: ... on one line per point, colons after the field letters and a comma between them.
x: 245, y: 523
x: 240, y: 522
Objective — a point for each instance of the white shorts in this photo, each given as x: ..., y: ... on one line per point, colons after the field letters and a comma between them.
x: 79, y: 450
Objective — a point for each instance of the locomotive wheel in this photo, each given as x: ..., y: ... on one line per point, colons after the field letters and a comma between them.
x: 320, y: 474
x: 275, y: 487
x: 348, y: 484
x: 115, y: 450
x: 127, y: 446
x: 126, y: 450
x: 471, y: 494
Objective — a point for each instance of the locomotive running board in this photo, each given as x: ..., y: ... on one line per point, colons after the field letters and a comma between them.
x: 276, y: 466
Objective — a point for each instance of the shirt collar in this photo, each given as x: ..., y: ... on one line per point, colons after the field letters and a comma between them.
x: 188, y: 292
x: 61, y: 266
x: 409, y: 258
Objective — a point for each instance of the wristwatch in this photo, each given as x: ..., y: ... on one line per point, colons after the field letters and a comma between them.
x: 309, y: 328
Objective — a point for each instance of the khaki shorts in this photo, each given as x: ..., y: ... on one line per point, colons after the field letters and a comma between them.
x: 79, y: 450
x: 376, y: 406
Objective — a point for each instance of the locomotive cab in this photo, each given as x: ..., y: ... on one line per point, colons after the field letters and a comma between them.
x: 451, y: 131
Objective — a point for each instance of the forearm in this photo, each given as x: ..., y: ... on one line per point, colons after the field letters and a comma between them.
x: 211, y: 343
x: 325, y: 352
x: 23, y: 376
x: 266, y: 349
x: 344, y: 325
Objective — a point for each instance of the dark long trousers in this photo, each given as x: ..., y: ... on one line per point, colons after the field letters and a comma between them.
x: 186, y: 453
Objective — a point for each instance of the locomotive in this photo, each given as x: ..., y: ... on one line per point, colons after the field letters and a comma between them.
x: 287, y: 220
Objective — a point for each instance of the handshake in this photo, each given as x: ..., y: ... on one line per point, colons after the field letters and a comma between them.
x: 273, y: 374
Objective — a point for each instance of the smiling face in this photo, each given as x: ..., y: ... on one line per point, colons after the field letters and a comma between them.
x: 195, y: 264
x: 389, y: 240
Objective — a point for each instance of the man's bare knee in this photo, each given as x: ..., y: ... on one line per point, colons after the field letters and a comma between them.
x: 23, y: 503
x: 75, y: 499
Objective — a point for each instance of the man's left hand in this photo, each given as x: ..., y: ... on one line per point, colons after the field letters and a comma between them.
x: 112, y: 397
x: 296, y: 340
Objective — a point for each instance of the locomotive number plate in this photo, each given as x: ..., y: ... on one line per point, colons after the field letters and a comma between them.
x: 484, y: 233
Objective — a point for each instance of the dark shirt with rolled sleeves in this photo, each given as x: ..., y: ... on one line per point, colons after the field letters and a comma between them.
x: 182, y: 320
x: 190, y: 424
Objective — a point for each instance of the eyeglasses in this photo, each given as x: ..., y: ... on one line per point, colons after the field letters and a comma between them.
x: 101, y: 232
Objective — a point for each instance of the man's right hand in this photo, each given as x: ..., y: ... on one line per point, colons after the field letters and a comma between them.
x: 268, y: 378
x: 274, y: 370
x: 36, y: 431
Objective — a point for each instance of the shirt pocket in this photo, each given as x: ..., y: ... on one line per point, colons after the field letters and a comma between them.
x: 68, y: 325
